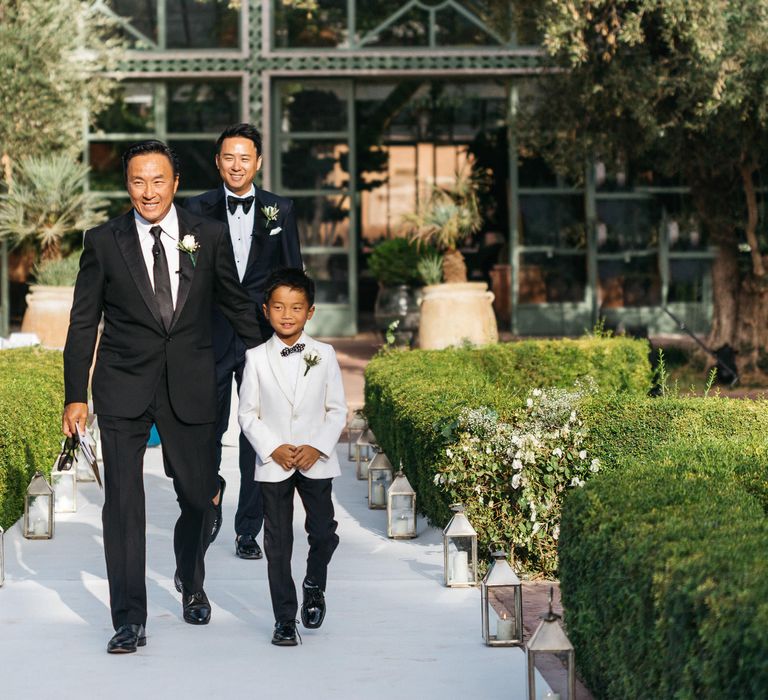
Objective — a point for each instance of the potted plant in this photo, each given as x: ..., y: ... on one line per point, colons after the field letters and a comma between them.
x: 45, y: 211
x: 454, y: 311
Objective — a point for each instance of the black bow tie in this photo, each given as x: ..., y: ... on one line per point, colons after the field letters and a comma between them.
x: 299, y: 347
x: 232, y: 203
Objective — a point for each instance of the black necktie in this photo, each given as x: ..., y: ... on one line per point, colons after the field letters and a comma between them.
x: 162, y: 279
x: 299, y: 347
x: 232, y: 203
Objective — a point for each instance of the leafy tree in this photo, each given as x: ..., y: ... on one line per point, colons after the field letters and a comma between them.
x: 681, y: 85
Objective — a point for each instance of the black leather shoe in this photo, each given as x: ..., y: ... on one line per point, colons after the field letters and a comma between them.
x: 285, y: 634
x: 246, y: 547
x: 219, y: 517
x: 197, y: 609
x: 177, y: 581
x: 126, y: 639
x: 313, y: 606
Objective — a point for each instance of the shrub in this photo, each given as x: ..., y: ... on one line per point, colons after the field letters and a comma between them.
x: 395, y: 261
x: 31, y: 400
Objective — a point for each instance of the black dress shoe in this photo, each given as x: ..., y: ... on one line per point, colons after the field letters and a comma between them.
x: 285, y: 634
x: 177, y: 581
x: 219, y: 517
x: 313, y: 605
x: 197, y: 609
x: 126, y: 639
x: 246, y: 547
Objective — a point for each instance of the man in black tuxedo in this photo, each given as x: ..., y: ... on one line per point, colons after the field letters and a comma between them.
x: 264, y: 237
x: 154, y: 274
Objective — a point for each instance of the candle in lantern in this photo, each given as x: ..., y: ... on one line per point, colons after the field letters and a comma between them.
x: 549, y: 695
x: 504, y: 629
x: 460, y: 569
x: 379, y: 496
x: 400, y: 525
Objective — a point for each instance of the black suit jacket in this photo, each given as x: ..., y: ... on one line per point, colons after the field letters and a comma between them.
x: 268, y: 252
x: 135, y: 347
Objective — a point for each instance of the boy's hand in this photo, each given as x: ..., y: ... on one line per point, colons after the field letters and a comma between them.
x: 305, y: 457
x: 285, y: 456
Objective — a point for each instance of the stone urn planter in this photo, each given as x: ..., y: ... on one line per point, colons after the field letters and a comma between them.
x: 47, y: 314
x: 398, y: 303
x: 455, y: 313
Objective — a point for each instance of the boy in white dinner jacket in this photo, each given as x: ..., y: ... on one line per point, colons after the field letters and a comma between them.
x: 292, y: 410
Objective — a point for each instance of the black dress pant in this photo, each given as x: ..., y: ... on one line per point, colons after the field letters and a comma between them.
x: 320, y: 525
x: 188, y: 453
x: 249, y: 517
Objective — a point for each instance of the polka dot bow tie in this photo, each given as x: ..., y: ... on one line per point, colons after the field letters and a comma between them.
x: 299, y: 347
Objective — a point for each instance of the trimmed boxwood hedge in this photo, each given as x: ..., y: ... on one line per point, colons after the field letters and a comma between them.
x: 31, y: 400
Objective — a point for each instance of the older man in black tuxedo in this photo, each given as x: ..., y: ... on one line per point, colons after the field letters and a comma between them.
x: 264, y: 237
x: 154, y: 275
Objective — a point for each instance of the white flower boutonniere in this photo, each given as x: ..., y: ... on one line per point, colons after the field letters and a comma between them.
x: 270, y: 214
x: 311, y: 359
x: 190, y: 246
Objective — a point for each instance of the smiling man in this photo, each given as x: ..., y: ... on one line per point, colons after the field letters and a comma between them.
x: 264, y: 237
x: 153, y: 274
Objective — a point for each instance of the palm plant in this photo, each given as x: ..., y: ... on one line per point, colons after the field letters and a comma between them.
x: 48, y: 201
x: 446, y: 220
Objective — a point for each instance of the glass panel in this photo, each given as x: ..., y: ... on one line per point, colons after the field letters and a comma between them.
x: 314, y: 165
x: 308, y: 107
x: 310, y: 23
x: 322, y: 220
x: 202, y: 24
x: 688, y: 280
x: 627, y: 224
x: 198, y: 106
x: 409, y: 29
x: 455, y: 29
x: 553, y: 219
x: 330, y: 271
x: 142, y: 16
x: 131, y: 112
x: 633, y: 283
x: 547, y: 278
x: 106, y: 166
x: 198, y: 171
x: 683, y: 229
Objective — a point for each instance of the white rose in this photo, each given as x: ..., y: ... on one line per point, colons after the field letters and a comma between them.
x: 516, y: 480
x: 517, y: 464
x: 189, y: 242
x: 529, y: 403
x: 583, y: 454
x: 557, y: 452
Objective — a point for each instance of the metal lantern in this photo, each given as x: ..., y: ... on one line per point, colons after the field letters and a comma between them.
x: 459, y: 550
x: 38, y: 509
x: 82, y: 467
x: 356, y: 426
x: 366, y: 443
x: 380, y: 476
x: 2, y: 556
x: 401, y: 508
x: 64, y: 484
x: 548, y: 642
x: 501, y: 598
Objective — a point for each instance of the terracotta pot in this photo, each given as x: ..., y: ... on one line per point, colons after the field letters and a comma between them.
x: 454, y: 313
x: 47, y: 314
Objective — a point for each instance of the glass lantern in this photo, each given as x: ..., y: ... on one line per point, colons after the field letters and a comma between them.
x: 64, y: 484
x: 356, y: 426
x: 38, y: 509
x: 459, y: 550
x: 2, y: 556
x: 501, y: 597
x: 549, y: 642
x: 401, y: 508
x: 380, y: 476
x: 366, y: 444
x: 82, y: 467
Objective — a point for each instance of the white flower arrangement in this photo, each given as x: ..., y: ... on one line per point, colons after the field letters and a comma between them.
x: 190, y: 246
x: 270, y: 214
x: 311, y: 359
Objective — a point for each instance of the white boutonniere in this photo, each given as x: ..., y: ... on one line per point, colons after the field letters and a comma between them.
x: 311, y: 359
x: 190, y: 246
x: 270, y: 214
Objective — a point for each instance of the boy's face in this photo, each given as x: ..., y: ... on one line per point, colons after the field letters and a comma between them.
x: 288, y: 311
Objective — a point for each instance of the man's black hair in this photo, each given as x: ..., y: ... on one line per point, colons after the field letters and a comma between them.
x: 292, y: 277
x: 141, y: 148
x: 242, y: 131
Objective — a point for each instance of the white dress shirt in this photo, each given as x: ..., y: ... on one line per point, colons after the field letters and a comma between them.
x: 170, y: 242
x: 289, y: 366
x: 241, y: 228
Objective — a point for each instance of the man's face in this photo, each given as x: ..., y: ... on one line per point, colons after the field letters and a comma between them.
x: 151, y: 185
x: 238, y: 162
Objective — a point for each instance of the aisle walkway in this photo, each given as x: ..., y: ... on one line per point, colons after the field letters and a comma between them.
x: 392, y: 630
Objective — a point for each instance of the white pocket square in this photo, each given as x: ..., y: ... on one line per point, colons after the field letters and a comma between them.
x: 275, y: 231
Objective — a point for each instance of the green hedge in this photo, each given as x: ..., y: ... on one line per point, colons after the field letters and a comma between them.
x: 663, y: 566
x: 410, y: 396
x: 31, y: 400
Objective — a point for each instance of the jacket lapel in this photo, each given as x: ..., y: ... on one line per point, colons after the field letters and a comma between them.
x: 186, y: 268
x: 304, y: 375
x: 127, y: 238
x: 273, y: 358
x: 218, y: 207
x: 259, y: 233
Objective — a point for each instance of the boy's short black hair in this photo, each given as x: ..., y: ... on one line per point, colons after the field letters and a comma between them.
x: 242, y: 131
x: 141, y: 148
x: 292, y: 277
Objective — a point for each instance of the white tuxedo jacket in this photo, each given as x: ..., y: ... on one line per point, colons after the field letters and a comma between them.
x: 271, y: 413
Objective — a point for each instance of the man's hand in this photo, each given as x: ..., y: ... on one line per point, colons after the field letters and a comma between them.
x: 305, y: 457
x: 284, y: 456
x: 75, y: 415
